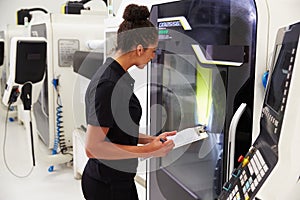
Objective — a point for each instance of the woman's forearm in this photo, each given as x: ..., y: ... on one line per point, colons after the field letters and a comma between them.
x: 98, y: 147
x: 145, y: 139
x: 112, y: 151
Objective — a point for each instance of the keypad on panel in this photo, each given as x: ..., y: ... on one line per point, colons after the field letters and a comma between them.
x: 249, y: 177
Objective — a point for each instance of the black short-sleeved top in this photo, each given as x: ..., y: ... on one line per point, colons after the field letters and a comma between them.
x: 110, y: 102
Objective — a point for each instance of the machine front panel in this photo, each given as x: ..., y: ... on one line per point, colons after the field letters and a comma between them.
x: 193, y: 82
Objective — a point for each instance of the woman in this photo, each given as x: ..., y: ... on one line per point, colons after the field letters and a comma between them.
x: 113, y: 114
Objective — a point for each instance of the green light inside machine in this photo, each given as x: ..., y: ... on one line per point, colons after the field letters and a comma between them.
x: 163, y: 32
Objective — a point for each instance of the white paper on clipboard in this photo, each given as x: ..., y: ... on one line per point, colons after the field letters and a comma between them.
x: 188, y: 136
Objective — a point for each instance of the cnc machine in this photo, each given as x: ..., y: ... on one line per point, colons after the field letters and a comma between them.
x: 210, y: 60
x: 57, y: 113
x: 6, y: 35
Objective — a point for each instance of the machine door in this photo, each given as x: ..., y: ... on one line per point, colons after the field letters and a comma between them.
x: 203, y: 71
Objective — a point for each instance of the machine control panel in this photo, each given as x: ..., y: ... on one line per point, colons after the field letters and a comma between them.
x: 247, y: 177
x: 271, y: 118
x: 256, y: 166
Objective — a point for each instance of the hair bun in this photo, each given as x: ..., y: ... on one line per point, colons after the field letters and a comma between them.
x: 134, y: 12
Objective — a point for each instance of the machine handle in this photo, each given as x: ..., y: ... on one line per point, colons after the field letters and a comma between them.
x: 231, y: 137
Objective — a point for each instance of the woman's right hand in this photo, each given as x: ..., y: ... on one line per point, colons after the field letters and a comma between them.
x: 161, y: 146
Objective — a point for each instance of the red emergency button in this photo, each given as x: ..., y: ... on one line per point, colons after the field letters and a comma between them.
x: 241, y: 158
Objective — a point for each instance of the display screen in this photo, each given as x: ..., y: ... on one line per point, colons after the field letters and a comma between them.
x: 30, y: 61
x: 277, y: 83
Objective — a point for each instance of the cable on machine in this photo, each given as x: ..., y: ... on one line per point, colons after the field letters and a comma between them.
x: 13, y: 97
x: 59, y: 140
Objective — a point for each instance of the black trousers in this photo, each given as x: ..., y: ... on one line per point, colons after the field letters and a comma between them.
x: 94, y: 189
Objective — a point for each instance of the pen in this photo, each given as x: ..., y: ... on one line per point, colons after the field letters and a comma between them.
x: 162, y: 140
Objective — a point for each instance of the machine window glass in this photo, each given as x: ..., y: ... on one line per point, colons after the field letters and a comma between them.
x: 188, y: 94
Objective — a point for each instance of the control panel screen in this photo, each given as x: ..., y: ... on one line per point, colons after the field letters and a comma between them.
x: 278, y: 82
x: 30, y: 61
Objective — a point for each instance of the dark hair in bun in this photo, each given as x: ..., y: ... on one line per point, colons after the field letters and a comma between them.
x: 136, y: 29
x: 134, y: 12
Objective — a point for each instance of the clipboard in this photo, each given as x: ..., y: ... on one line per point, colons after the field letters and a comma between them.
x: 188, y: 136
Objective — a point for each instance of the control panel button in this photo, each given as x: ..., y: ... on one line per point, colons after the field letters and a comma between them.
x: 240, y: 159
x: 245, y: 162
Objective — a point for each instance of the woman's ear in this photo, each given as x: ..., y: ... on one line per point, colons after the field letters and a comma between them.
x: 139, y: 49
